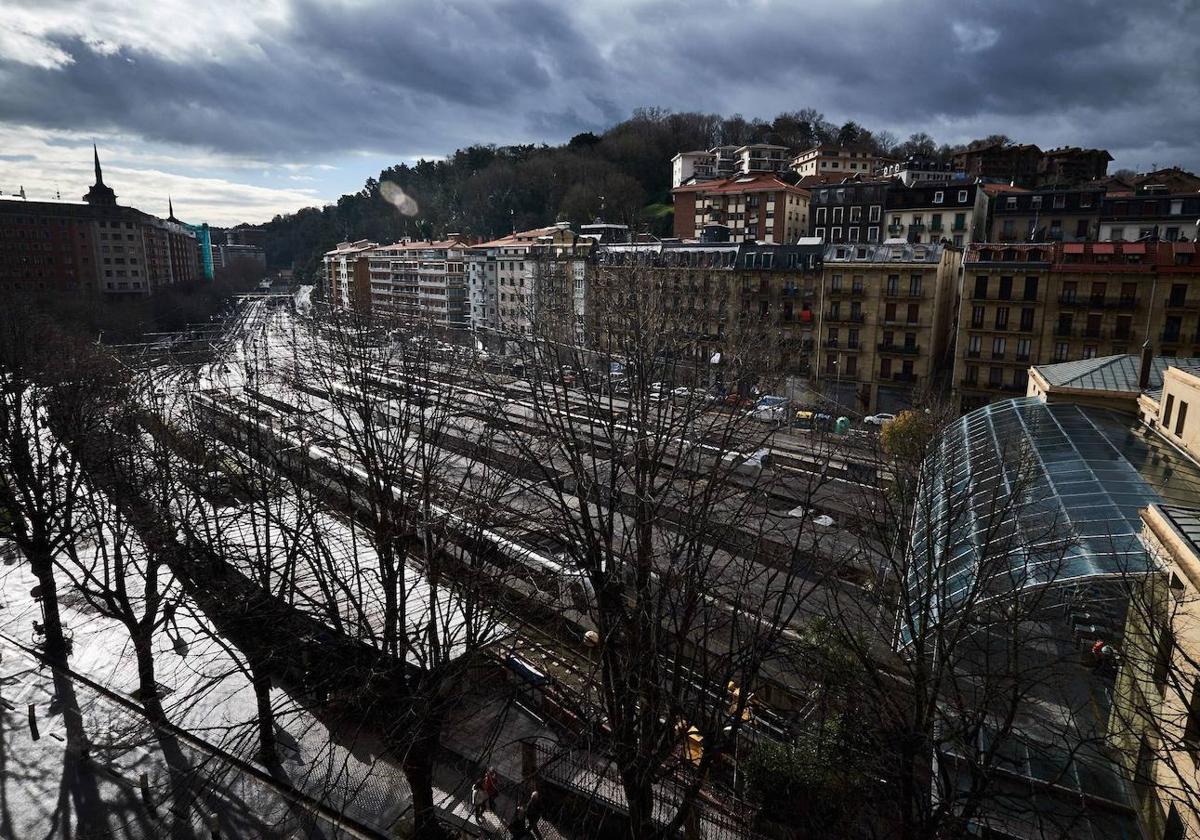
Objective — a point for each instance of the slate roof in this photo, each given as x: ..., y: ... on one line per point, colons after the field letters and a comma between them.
x: 1111, y: 373
x: 1186, y: 520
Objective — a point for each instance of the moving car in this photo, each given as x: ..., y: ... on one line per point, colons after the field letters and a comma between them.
x: 879, y: 419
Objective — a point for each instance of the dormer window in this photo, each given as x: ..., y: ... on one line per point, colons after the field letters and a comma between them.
x: 939, y: 197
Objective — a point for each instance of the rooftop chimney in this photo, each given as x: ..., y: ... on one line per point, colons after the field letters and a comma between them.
x: 1147, y: 361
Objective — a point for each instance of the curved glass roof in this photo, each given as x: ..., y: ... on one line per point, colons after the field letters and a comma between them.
x: 1024, y: 493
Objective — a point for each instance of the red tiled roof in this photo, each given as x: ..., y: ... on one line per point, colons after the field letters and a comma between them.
x: 996, y: 189
x: 524, y: 237
x: 761, y: 182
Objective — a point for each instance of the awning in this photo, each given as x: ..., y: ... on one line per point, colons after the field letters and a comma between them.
x: 1133, y: 248
x: 1073, y: 248
x: 1103, y: 248
x: 1185, y: 247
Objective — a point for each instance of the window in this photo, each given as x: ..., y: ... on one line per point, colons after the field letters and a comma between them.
x: 876, y: 211
x: 1031, y: 288
x: 1166, y: 417
x: 1089, y: 351
x: 998, y: 347
x: 939, y: 197
x: 820, y: 215
x: 835, y: 283
x: 854, y: 232
x: 1008, y: 229
x: 872, y: 234
x: 837, y: 234
x: 819, y: 233
x: 1181, y: 419
x: 974, y: 343
x: 1027, y: 319
x: 1011, y: 202
x: 962, y: 196
x: 914, y: 313
x: 1002, y: 317
x: 1081, y: 229
x: 837, y: 214
x: 893, y: 284
x: 995, y: 376
x: 976, y: 316
x: 914, y: 285
x: 856, y: 214
x: 1117, y: 234
x: 972, y: 374
x: 1035, y: 201
x: 981, y: 284
x: 1006, y: 288
x: 1023, y: 350
x: 1060, y: 351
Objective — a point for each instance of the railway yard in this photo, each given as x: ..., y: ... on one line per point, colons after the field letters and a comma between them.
x: 286, y: 433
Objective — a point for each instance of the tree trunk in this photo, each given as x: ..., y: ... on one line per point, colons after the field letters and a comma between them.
x: 77, y: 773
x: 418, y: 770
x: 179, y: 770
x: 268, y: 752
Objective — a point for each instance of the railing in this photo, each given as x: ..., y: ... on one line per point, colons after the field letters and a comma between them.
x: 1180, y: 303
x: 846, y: 317
x: 904, y: 377
x: 1172, y: 337
x: 973, y: 354
x: 1064, y: 331
x: 997, y: 357
x: 907, y: 349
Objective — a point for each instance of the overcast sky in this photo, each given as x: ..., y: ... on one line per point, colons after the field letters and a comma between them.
x: 242, y: 110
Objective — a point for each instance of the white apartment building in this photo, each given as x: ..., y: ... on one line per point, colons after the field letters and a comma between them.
x: 500, y: 285
x: 761, y: 157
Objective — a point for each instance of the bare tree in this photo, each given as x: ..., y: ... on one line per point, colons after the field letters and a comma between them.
x: 960, y: 650
x: 668, y: 507
x: 54, y: 393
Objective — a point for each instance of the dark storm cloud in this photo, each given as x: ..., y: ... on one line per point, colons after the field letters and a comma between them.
x: 427, y: 79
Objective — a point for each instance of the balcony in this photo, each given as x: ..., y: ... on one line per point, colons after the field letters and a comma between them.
x: 1171, y: 337
x: 1091, y: 332
x: 844, y: 292
x: 1180, y: 303
x: 935, y: 227
x: 1064, y: 330
x: 831, y: 343
x: 1021, y: 357
x: 846, y: 317
x: 978, y: 295
x: 997, y: 357
x: 973, y: 354
x: 1124, y: 335
x: 904, y: 377
x: 906, y: 349
x: 969, y: 383
x: 917, y: 227
x: 1126, y: 303
x: 959, y: 227
x: 895, y: 230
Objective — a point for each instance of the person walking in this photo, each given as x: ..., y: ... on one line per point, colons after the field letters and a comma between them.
x: 533, y: 814
x: 478, y: 801
x: 518, y: 826
x: 491, y: 786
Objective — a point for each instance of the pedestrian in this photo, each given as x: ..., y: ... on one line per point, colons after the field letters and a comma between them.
x: 518, y: 827
x: 533, y: 814
x: 491, y: 787
x: 478, y: 801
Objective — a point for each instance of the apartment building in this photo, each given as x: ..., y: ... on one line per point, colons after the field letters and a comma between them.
x: 347, y: 276
x: 501, y: 279
x: 708, y: 164
x: 1016, y: 215
x: 727, y: 292
x: 1150, y: 214
x: 761, y: 157
x: 917, y: 168
x: 826, y: 159
x: 92, y: 246
x: 849, y: 211
x: 230, y: 254
x: 1154, y: 722
x: 949, y: 211
x: 1025, y: 304
x: 421, y: 279
x: 884, y: 322
x: 1014, y: 163
x: 1070, y: 165
x: 755, y: 208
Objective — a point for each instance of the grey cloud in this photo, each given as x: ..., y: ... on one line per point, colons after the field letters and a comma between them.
x: 406, y: 78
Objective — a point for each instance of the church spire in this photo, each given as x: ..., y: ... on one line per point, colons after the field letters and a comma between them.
x: 170, y: 210
x: 100, y: 193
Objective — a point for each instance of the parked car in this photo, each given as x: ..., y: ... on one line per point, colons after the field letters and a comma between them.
x: 736, y: 400
x: 879, y: 419
x: 697, y: 395
x: 770, y: 409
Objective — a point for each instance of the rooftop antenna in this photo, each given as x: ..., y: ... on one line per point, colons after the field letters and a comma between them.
x: 22, y: 193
